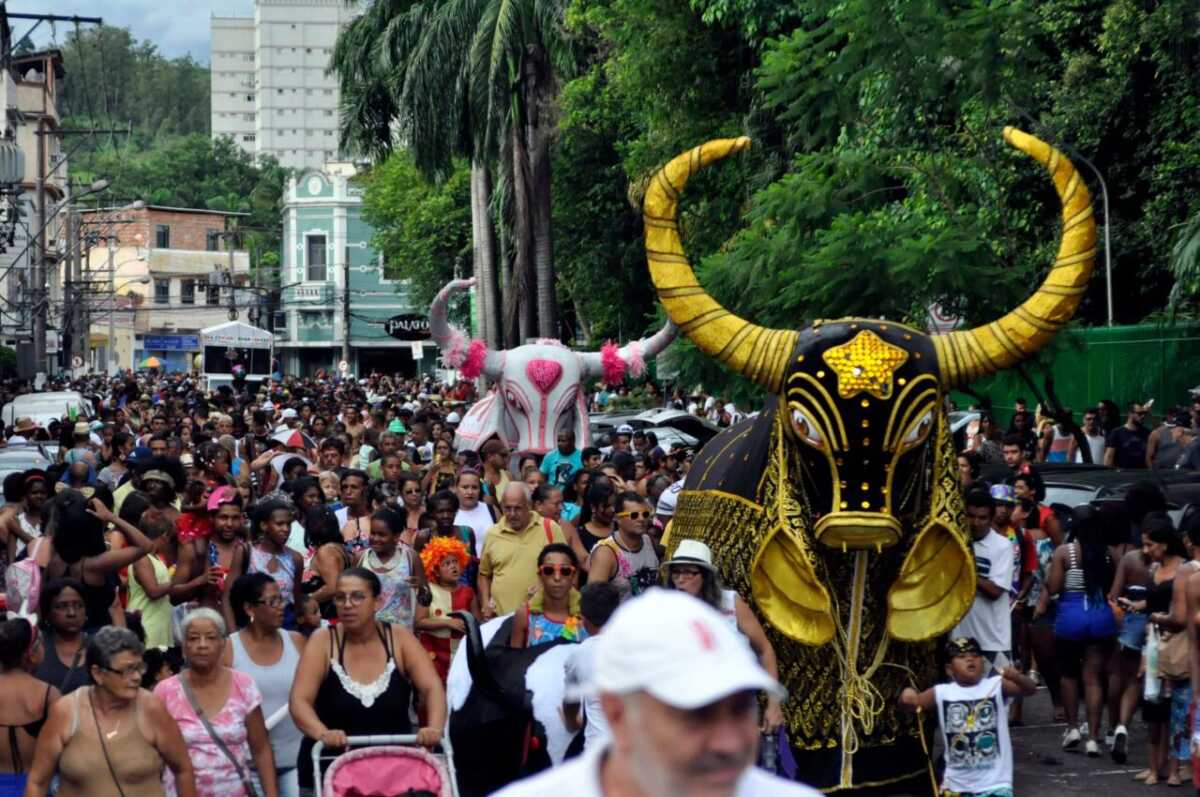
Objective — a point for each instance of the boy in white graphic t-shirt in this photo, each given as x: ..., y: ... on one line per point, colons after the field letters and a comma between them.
x: 973, y: 721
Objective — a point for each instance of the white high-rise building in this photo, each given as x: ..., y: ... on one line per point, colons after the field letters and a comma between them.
x: 269, y: 87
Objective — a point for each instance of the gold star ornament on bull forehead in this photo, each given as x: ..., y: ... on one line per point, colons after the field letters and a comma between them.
x: 866, y: 363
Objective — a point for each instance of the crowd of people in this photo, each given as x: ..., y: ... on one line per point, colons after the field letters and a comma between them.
x: 1098, y: 602
x: 206, y: 585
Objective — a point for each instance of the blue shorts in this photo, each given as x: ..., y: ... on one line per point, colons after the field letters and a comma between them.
x: 1133, y: 631
x: 1083, y: 620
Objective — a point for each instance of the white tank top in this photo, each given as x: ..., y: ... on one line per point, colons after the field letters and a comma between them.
x: 274, y: 682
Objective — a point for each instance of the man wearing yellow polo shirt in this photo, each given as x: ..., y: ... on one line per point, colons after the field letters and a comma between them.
x: 508, y: 564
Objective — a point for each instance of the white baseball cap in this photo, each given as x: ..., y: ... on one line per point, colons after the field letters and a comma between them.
x: 669, y: 499
x: 453, y: 417
x: 624, y: 429
x: 677, y: 649
x: 287, y: 413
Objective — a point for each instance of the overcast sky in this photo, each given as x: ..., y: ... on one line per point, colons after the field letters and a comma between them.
x: 175, y: 26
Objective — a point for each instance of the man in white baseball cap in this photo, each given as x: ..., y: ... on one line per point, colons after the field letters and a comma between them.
x: 679, y: 688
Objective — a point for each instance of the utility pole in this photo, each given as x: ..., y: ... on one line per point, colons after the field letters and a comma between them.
x: 346, y: 308
x: 110, y: 352
x: 73, y: 296
x: 37, y: 304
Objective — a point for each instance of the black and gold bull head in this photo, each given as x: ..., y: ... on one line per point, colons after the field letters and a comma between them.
x: 859, y: 410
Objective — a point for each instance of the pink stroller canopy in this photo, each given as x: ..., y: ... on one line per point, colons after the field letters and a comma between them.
x: 387, y: 772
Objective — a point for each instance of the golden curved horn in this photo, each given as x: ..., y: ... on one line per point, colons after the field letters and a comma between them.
x: 970, y: 354
x: 755, y: 352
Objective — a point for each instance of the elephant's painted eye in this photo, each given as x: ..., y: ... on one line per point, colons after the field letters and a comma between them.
x: 919, y: 430
x: 806, y: 430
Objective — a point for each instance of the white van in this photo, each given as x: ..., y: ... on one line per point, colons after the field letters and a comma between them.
x: 46, y: 407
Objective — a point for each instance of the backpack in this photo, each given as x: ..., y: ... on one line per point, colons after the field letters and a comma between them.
x: 23, y: 583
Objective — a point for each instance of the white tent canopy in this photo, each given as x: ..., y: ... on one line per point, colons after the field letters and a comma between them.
x: 235, y: 334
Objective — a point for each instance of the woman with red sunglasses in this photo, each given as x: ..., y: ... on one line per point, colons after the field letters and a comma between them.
x: 552, y: 612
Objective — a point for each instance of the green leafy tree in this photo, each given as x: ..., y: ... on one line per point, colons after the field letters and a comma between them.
x: 423, y: 229
x: 476, y: 78
x: 656, y: 80
x: 114, y: 80
x: 198, y: 172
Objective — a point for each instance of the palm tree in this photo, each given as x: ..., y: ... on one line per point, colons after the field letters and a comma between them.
x: 474, y: 78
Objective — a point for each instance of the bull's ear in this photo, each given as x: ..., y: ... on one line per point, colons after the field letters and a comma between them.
x: 935, y: 587
x: 787, y: 591
x: 936, y: 584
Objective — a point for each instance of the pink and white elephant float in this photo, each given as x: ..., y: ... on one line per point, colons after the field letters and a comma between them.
x: 538, y: 387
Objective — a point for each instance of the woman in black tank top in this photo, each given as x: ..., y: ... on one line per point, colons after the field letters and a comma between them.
x: 341, y: 687
x: 597, y: 516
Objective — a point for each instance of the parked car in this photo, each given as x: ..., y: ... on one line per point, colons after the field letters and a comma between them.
x: 46, y: 407
x: 603, y: 425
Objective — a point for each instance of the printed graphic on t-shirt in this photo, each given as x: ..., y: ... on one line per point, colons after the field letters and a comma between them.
x: 972, y: 737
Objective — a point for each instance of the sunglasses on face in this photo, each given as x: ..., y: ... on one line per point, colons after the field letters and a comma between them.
x: 548, y: 571
x: 274, y: 603
x: 635, y: 515
x: 686, y: 572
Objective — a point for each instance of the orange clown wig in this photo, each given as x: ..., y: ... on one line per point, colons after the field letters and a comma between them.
x: 436, y: 551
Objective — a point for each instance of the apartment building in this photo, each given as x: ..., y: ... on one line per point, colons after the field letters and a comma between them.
x: 270, y: 90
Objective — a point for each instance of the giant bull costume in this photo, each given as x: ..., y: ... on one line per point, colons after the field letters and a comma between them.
x: 837, y: 513
x: 539, y: 386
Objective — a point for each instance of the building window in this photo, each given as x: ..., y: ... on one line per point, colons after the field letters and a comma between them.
x: 187, y: 291
x: 162, y: 236
x: 249, y: 98
x: 248, y: 137
x: 162, y: 291
x: 213, y: 291
x: 315, y: 249
x: 212, y: 240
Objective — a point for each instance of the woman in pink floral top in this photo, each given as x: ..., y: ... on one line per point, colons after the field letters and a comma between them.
x: 233, y: 705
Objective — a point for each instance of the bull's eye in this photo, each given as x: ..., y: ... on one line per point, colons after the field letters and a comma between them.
x: 919, y: 430
x: 806, y: 430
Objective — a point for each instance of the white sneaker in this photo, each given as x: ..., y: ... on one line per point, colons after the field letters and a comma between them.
x: 1071, y: 739
x: 1120, y: 745
x: 1109, y: 736
x: 1092, y: 749
x: 1084, y: 730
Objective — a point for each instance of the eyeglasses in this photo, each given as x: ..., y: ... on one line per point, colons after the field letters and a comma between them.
x: 412, y: 492
x: 635, y: 515
x: 548, y: 571
x: 68, y: 607
x: 688, y: 572
x: 350, y: 598
x: 138, y: 669
x: 274, y: 603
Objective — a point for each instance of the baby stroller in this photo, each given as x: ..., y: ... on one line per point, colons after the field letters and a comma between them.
x: 386, y: 766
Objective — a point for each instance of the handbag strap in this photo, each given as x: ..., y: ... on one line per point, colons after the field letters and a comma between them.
x: 104, y: 747
x: 184, y: 679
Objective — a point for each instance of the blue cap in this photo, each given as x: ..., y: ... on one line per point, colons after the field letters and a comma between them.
x: 139, y: 454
